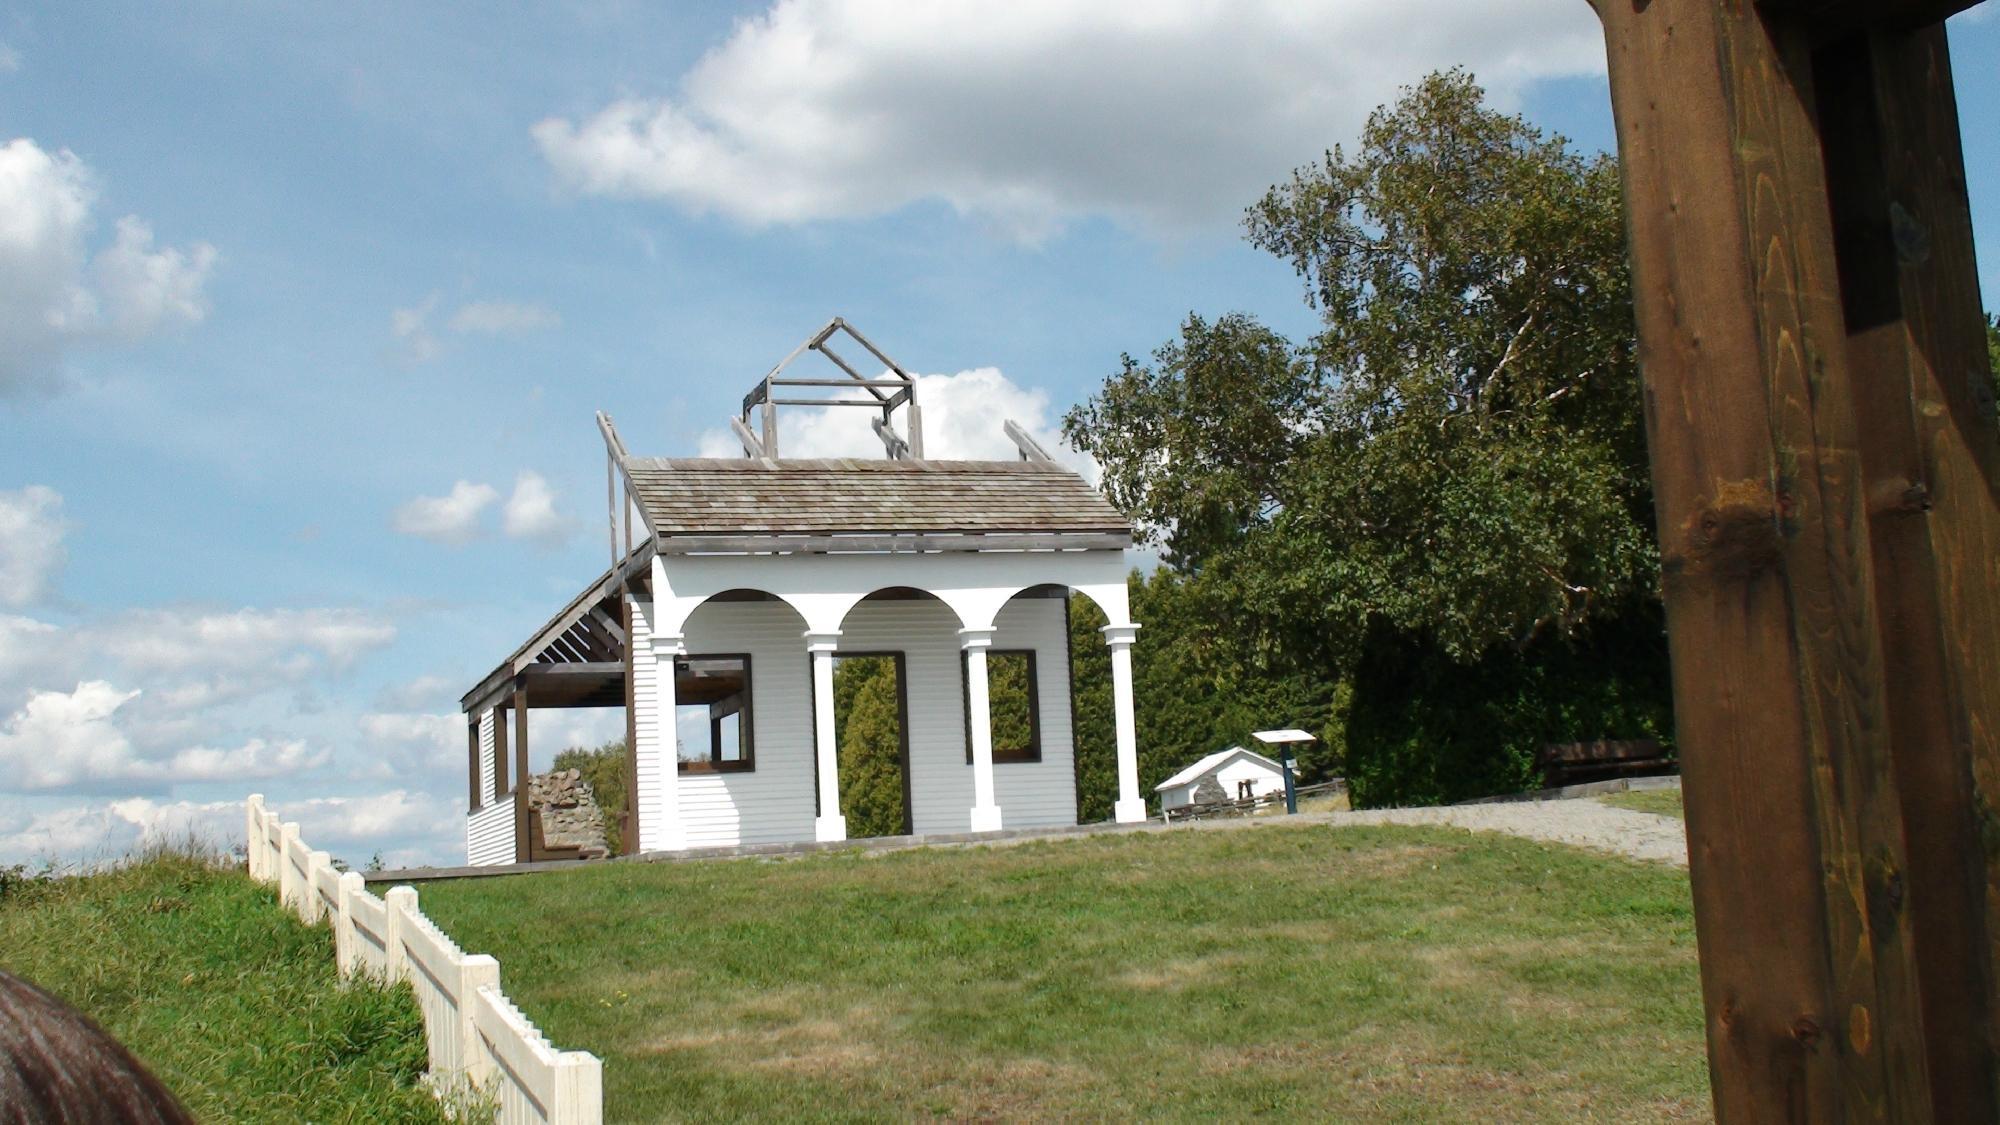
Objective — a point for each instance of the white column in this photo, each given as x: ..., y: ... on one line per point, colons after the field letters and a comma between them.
x: 830, y: 824
x: 657, y: 778
x: 985, y: 812
x: 1131, y: 808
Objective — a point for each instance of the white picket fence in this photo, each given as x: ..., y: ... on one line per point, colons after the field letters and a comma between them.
x: 479, y: 1042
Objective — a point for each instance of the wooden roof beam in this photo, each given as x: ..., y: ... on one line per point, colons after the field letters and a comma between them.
x: 1831, y: 19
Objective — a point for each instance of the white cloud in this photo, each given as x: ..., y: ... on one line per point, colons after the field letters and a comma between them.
x: 416, y: 343
x: 400, y: 742
x: 83, y: 835
x: 69, y: 741
x: 10, y: 59
x: 145, y: 289
x: 451, y: 518
x: 53, y: 295
x: 1167, y: 114
x: 962, y: 414
x: 31, y: 544
x: 411, y: 330
x: 530, y: 513
x: 284, y: 641
x: 496, y: 318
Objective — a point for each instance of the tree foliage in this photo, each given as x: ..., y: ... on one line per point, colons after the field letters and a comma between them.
x: 1441, y: 500
x: 868, y: 729
x: 1459, y: 452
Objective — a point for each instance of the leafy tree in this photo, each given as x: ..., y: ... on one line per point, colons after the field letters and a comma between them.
x: 1195, y: 691
x: 1444, y: 490
x: 605, y: 768
x: 1459, y: 453
x: 868, y: 730
x: 1993, y: 352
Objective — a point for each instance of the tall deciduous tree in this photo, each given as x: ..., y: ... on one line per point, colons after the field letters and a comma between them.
x: 1450, y: 474
x: 1459, y: 452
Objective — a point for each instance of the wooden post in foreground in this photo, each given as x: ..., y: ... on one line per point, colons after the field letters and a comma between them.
x: 1826, y: 466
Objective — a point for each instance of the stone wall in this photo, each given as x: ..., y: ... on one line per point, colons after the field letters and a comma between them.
x: 570, y: 816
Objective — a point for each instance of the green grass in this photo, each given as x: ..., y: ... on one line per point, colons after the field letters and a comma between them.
x: 1378, y: 974
x: 228, y: 999
x: 1659, y: 802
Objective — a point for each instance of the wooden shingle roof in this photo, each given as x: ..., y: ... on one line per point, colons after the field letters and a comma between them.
x: 710, y: 498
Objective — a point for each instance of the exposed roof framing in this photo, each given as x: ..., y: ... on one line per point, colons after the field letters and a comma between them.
x: 896, y: 387
x: 583, y: 637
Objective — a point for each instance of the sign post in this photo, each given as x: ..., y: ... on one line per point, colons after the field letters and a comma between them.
x: 1284, y: 740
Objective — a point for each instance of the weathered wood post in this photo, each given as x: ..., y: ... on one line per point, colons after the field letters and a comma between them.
x: 1826, y: 466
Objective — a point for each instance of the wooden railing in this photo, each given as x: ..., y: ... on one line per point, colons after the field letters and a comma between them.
x: 1247, y: 806
x: 481, y: 1047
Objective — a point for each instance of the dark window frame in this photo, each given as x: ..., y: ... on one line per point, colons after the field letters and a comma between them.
x: 477, y: 800
x: 1033, y: 753
x: 503, y: 717
x: 746, y: 723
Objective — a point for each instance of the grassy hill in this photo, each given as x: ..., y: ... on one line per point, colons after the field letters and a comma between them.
x: 1351, y: 974
x: 229, y: 1000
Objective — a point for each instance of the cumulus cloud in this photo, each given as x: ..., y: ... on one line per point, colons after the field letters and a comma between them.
x: 962, y: 414
x: 1165, y: 114
x: 31, y: 544
x: 289, y: 642
x: 54, y: 294
x: 451, y: 518
x: 81, y: 835
x: 410, y: 329
x: 530, y: 513
x: 503, y: 318
x: 414, y: 341
x: 400, y: 743
x: 69, y: 741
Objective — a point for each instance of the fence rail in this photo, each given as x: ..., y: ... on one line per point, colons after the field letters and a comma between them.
x: 479, y: 1042
x: 1248, y: 806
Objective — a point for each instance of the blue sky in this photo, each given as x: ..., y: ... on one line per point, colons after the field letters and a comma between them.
x: 305, y: 310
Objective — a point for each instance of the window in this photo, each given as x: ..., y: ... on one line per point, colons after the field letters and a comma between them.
x: 1013, y: 704
x: 712, y: 714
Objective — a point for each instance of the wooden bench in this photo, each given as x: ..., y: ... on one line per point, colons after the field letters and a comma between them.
x: 1571, y: 763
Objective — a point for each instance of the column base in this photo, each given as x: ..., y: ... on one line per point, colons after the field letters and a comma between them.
x: 828, y: 829
x: 986, y: 818
x: 1129, y: 812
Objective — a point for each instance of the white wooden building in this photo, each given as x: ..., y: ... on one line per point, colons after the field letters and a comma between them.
x: 738, y: 583
x: 1226, y: 775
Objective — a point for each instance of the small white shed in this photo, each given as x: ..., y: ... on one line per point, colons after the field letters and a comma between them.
x: 1226, y: 775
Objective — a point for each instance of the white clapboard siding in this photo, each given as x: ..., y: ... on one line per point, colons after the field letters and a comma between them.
x: 489, y: 829
x: 774, y: 802
x: 478, y: 1044
x: 489, y: 834
x: 1040, y: 794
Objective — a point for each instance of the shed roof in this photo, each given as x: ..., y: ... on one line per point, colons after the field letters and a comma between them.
x: 711, y: 497
x: 1213, y: 762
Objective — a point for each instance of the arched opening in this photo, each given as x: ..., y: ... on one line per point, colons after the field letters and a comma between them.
x: 741, y: 721
x: 893, y: 642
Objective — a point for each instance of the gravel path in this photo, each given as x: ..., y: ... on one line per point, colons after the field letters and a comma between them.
x: 1578, y: 820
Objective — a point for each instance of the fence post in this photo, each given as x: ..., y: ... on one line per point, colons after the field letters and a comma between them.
x: 288, y: 879
x: 401, y: 903
x: 578, y: 1098
x: 253, y: 829
x: 315, y: 908
x: 346, y: 957
x: 475, y: 971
